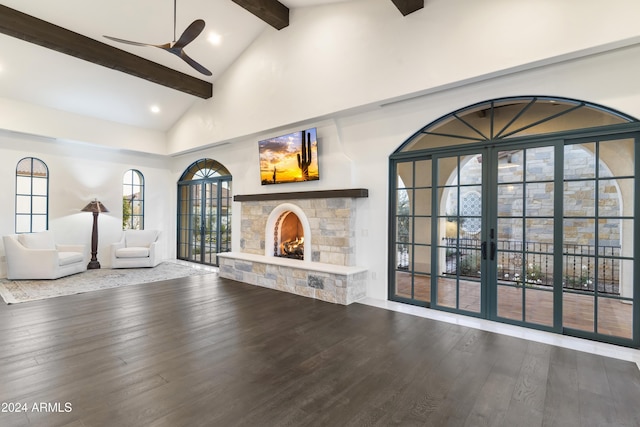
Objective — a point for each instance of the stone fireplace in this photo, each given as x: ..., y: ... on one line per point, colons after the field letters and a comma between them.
x: 322, y: 225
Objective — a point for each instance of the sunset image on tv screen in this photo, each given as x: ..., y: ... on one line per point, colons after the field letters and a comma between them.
x: 289, y: 158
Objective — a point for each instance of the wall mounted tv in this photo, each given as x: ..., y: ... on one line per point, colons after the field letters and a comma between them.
x: 289, y: 158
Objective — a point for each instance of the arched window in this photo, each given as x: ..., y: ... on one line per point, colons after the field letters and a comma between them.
x: 133, y: 200
x: 32, y: 195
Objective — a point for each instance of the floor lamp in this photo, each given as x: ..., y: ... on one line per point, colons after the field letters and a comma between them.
x: 95, y: 207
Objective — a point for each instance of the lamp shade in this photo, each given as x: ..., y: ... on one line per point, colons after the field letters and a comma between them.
x: 95, y: 206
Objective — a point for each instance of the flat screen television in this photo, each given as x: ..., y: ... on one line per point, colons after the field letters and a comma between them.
x: 289, y: 158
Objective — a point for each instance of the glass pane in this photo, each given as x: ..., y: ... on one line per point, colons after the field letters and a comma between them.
x: 137, y: 222
x: 539, y: 270
x: 510, y: 166
x: 423, y: 173
x: 403, y: 202
x: 422, y: 230
x: 470, y: 259
x: 609, y: 235
x: 608, y: 273
x: 538, y: 306
x: 578, y: 311
x: 39, y: 223
x: 579, y: 161
x: 136, y: 192
x: 403, y: 257
x: 615, y: 317
x: 471, y: 172
x: 23, y: 185
x: 405, y: 175
x: 578, y: 270
x: 23, y: 204
x: 447, y: 168
x: 450, y: 195
x: 470, y: 295
x: 539, y: 200
x: 422, y: 259
x: 24, y: 167
x: 23, y: 223
x: 470, y: 210
x: 137, y: 207
x: 39, y: 205
x: 626, y: 278
x: 579, y: 198
x: 422, y: 287
x: 40, y: 186
x: 509, y: 266
x: 540, y: 164
x: 610, y: 197
x: 422, y: 202
x: 136, y: 179
x: 510, y: 232
x: 617, y: 155
x: 510, y: 199
x: 447, y: 292
x: 510, y: 302
x: 403, y: 229
x: 539, y: 235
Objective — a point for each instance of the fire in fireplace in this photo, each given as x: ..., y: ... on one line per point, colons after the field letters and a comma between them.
x: 294, y: 248
x: 289, y: 232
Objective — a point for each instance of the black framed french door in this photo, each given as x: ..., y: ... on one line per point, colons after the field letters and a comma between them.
x: 204, y: 219
x: 537, y: 233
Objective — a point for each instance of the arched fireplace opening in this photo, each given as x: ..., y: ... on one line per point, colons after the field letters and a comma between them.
x: 288, y: 236
x: 288, y: 233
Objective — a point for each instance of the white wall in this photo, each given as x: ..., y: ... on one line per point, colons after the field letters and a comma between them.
x: 363, y: 53
x: 78, y: 174
x: 355, y: 148
x: 22, y: 117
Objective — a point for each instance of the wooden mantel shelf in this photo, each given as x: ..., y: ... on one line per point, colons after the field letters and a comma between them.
x: 325, y: 194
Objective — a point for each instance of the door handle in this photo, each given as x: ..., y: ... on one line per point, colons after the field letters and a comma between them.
x: 493, y: 251
x: 483, y: 249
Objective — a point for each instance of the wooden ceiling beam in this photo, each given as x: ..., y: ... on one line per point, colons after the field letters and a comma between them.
x: 33, y: 30
x: 272, y: 12
x: 408, y: 6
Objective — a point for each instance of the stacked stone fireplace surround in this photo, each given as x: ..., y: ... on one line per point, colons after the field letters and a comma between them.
x: 328, y: 271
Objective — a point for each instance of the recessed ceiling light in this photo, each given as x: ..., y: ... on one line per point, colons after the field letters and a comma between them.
x: 155, y: 109
x: 215, y: 38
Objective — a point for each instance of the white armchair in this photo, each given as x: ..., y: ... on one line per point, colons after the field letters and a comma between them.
x: 36, y: 256
x: 137, y: 248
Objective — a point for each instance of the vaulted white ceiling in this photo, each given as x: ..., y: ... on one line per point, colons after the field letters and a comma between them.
x: 37, y: 75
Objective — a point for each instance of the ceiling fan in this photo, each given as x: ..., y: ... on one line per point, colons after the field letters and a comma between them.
x: 177, y: 47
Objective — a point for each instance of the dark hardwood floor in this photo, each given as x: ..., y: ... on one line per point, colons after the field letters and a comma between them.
x: 205, y: 351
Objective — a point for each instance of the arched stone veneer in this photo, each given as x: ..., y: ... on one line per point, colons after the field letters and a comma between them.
x: 272, y: 223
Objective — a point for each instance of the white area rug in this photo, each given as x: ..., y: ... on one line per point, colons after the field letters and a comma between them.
x: 17, y: 291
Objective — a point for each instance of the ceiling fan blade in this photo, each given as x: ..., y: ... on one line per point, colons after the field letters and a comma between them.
x: 190, y: 33
x: 194, y: 64
x: 128, y: 41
